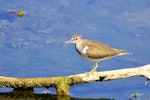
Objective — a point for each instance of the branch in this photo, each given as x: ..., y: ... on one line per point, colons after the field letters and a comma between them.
x: 63, y: 83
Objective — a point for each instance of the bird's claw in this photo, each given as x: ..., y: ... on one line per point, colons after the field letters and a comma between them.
x: 90, y: 73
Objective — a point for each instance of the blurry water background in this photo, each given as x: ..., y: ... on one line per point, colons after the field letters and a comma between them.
x: 30, y: 46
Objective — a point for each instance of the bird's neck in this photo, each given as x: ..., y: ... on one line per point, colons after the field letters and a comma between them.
x: 79, y: 46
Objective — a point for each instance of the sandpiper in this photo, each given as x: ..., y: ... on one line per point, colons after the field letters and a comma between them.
x: 94, y: 51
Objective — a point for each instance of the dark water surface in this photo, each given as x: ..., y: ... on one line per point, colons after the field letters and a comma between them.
x: 30, y: 45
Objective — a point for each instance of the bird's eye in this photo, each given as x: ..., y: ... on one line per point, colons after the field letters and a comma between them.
x: 76, y: 38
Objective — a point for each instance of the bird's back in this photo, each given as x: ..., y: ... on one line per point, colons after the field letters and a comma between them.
x: 98, y: 50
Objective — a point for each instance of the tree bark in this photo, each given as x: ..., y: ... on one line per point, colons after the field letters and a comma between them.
x: 63, y: 83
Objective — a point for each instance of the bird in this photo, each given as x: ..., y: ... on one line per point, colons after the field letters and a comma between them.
x: 94, y: 51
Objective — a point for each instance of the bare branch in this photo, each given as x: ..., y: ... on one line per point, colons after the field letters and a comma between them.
x: 63, y: 83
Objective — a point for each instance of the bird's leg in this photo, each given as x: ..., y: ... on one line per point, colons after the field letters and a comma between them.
x: 93, y: 70
x: 95, y: 67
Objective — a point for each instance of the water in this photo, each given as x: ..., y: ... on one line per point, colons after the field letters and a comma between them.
x: 30, y: 45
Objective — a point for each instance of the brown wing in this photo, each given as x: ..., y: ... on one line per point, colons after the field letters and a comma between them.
x: 98, y: 50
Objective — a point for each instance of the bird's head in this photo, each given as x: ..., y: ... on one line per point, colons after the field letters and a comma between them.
x: 77, y: 38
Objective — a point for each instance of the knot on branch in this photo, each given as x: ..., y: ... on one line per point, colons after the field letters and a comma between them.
x: 62, y: 86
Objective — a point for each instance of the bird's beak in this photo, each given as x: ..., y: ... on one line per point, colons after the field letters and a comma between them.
x: 69, y: 41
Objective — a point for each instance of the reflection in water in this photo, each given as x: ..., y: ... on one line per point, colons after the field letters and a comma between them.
x: 29, y: 95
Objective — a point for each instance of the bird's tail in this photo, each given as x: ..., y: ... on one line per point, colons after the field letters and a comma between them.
x: 124, y: 52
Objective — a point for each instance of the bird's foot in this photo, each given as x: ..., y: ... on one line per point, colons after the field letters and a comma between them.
x: 90, y: 73
x: 87, y: 74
